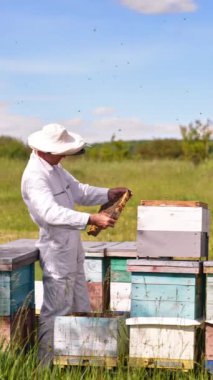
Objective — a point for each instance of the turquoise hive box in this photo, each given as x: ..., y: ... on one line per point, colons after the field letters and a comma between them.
x: 17, y: 305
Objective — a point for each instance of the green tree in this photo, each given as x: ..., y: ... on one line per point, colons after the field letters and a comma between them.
x: 196, y: 141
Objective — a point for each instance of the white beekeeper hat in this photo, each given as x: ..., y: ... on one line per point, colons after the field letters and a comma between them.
x: 55, y: 139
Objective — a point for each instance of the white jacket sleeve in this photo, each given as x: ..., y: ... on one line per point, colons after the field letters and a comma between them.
x: 87, y: 195
x: 45, y: 210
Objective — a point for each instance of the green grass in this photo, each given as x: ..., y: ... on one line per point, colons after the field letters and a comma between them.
x: 171, y: 180
x: 21, y: 366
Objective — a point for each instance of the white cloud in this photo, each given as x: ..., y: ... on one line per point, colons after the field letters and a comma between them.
x: 103, y: 111
x: 130, y: 129
x: 160, y: 6
x: 16, y: 125
x: 47, y: 67
x: 94, y: 130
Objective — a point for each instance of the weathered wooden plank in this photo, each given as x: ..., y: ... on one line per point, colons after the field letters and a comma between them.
x: 208, y: 341
x: 160, y: 343
x: 155, y: 269
x: 167, y: 263
x: 118, y: 268
x: 172, y: 218
x: 16, y: 289
x: 97, y: 273
x: 118, y: 264
x: 120, y: 276
x: 166, y: 294
x: 158, y: 308
x: 23, y: 295
x: 175, y: 203
x: 122, y: 249
x: 165, y: 343
x: 22, y: 276
x: 171, y: 364
x: 14, y: 255
x: 97, y: 249
x: 93, y: 269
x: 96, y: 296
x: 209, y: 294
x: 152, y: 292
x: 208, y: 291
x: 209, y: 279
x: 92, y: 361
x: 172, y: 244
x: 120, y: 296
x: 18, y: 330
x: 164, y: 279
x: 87, y: 336
x: 209, y: 310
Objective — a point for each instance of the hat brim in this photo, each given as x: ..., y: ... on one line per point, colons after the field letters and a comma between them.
x: 72, y: 146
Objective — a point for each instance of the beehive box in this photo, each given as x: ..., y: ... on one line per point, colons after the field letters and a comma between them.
x: 173, y: 229
x: 16, y: 277
x: 120, y: 278
x: 97, y: 272
x: 163, y: 343
x: 16, y: 288
x: 90, y: 339
x: 209, y: 345
x: 166, y: 288
x: 208, y: 272
x: 18, y: 329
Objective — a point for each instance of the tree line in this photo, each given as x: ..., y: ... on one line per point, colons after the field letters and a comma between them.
x: 195, y: 145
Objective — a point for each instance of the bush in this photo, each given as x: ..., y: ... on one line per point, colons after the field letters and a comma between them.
x: 13, y: 148
x: 196, y: 141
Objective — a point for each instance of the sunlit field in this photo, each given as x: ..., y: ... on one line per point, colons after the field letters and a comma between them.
x: 171, y: 180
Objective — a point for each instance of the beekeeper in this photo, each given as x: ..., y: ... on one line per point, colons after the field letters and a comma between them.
x: 50, y: 193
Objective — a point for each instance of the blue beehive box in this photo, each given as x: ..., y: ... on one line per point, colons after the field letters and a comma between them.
x: 16, y: 289
x: 16, y: 276
x: 17, y: 310
x: 162, y: 288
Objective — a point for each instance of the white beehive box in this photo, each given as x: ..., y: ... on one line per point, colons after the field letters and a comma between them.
x: 90, y: 339
x: 163, y: 342
x: 173, y: 229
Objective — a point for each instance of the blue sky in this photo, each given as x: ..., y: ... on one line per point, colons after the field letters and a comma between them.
x: 136, y: 69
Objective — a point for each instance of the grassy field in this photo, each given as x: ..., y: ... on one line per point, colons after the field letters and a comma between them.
x: 171, y: 180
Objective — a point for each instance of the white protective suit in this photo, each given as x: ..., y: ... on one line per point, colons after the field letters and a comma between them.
x: 50, y: 193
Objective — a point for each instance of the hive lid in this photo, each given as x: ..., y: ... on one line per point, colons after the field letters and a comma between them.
x: 164, y: 266
x: 115, y: 249
x: 162, y: 321
x: 122, y: 249
x: 173, y: 203
x: 96, y: 249
x: 12, y: 257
